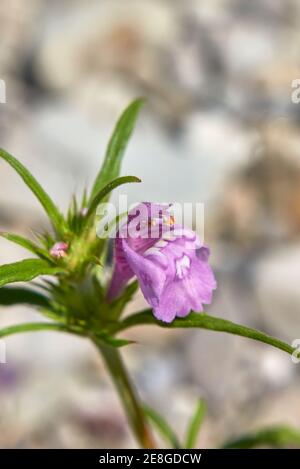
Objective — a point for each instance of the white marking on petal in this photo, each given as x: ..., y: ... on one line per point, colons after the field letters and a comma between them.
x: 155, y: 249
x: 182, y: 266
x: 161, y: 243
x: 151, y: 251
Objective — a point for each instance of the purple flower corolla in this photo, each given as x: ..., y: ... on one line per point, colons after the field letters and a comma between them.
x: 168, y: 260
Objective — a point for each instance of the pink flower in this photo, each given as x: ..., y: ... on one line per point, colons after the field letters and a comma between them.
x: 59, y: 250
x: 168, y: 260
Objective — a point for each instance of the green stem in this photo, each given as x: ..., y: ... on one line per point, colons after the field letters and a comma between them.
x: 127, y: 394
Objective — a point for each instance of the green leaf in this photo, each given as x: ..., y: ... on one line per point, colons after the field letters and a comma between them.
x: 129, y: 292
x: 113, y: 342
x: 195, y: 425
x: 52, y: 326
x: 101, y: 195
x: 116, y: 147
x: 25, y: 243
x: 49, y: 206
x: 26, y: 270
x: 32, y: 327
x: 14, y: 295
x: 162, y: 426
x: 204, y: 321
x: 277, y: 437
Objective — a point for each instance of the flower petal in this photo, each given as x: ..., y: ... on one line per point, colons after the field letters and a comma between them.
x: 171, y: 265
x: 151, y: 276
x: 144, y: 226
x: 188, y: 290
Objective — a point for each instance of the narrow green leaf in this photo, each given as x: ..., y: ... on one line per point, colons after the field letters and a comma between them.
x: 25, y: 243
x: 204, y: 321
x: 113, y: 342
x: 49, y: 206
x: 26, y: 270
x: 128, y: 293
x: 277, y: 437
x: 195, y: 425
x: 14, y: 295
x: 84, y: 199
x: 162, y: 426
x: 116, y: 147
x: 32, y: 327
x: 101, y: 195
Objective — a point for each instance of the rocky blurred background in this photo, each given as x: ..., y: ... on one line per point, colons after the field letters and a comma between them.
x: 220, y: 128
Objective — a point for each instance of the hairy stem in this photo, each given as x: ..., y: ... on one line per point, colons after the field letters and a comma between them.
x: 127, y: 394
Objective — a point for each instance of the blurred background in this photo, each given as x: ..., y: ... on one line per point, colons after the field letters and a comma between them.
x: 220, y: 128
